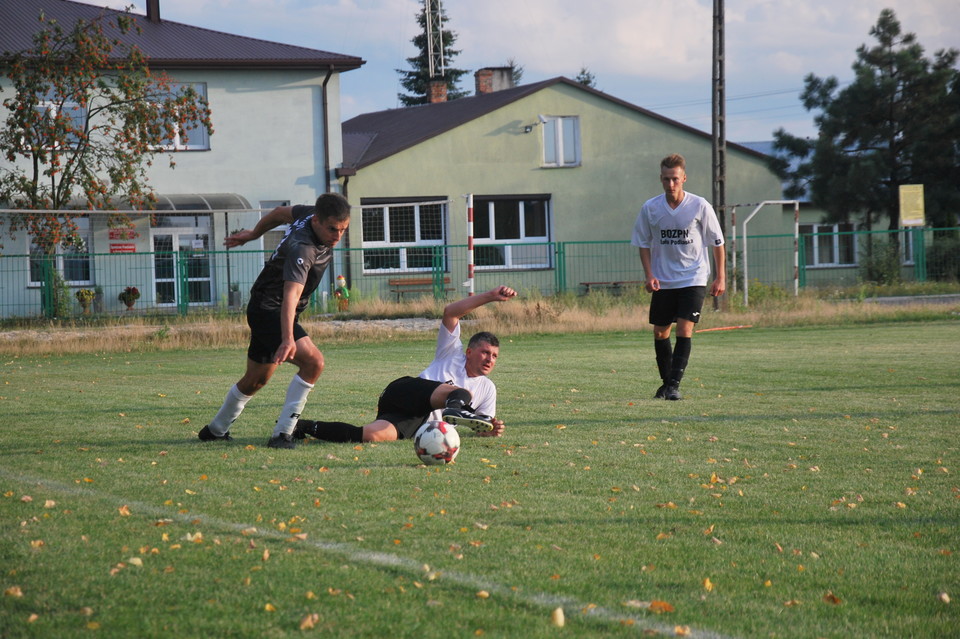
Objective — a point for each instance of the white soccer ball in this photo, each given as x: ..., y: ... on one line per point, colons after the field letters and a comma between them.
x: 436, y: 443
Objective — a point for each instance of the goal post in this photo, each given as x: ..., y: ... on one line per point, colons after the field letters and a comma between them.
x: 746, y: 263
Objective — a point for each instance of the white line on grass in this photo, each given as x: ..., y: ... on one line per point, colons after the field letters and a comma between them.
x: 388, y: 560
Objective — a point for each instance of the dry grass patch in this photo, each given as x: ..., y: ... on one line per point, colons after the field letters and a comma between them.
x: 377, y: 320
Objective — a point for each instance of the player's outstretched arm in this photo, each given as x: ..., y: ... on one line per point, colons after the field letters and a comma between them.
x: 273, y: 219
x: 453, y: 311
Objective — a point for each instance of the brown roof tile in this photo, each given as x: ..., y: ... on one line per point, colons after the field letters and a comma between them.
x: 169, y: 45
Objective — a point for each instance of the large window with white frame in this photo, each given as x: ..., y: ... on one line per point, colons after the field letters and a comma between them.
x: 401, y: 236
x: 512, y: 232
x: 829, y: 244
x: 561, y: 141
x: 73, y: 262
x: 193, y: 136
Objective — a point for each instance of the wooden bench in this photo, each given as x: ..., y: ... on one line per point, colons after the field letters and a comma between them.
x: 614, y: 287
x: 402, y: 285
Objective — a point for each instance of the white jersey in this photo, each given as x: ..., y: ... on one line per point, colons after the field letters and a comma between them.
x: 449, y: 365
x: 680, y: 240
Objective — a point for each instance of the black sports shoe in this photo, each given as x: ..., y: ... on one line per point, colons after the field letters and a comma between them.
x: 466, y: 417
x: 661, y: 392
x: 206, y: 436
x: 303, y: 427
x: 283, y: 440
x: 672, y: 392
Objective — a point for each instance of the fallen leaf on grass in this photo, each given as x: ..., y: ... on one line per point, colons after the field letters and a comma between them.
x: 124, y: 511
x: 309, y: 621
x: 831, y: 598
x: 660, y: 607
x: 13, y: 591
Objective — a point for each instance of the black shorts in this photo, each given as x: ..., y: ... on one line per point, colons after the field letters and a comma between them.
x: 265, y: 336
x: 405, y: 403
x: 670, y: 304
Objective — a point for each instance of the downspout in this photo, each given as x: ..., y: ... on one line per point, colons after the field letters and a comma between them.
x: 337, y: 268
x: 326, y: 132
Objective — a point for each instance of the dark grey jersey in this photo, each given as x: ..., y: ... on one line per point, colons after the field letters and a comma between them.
x: 300, y: 257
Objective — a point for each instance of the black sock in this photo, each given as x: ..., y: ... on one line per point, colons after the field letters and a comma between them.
x: 458, y: 398
x: 681, y: 355
x: 335, y: 431
x: 664, y: 357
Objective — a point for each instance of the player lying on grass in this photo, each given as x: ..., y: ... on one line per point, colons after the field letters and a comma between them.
x: 454, y: 388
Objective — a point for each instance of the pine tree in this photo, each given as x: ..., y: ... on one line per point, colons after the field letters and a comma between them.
x: 586, y: 78
x: 417, y: 80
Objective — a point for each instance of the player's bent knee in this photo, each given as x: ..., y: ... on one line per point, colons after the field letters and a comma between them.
x: 380, y: 431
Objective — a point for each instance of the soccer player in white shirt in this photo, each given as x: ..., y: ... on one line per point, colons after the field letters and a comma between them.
x: 453, y: 388
x: 676, y: 233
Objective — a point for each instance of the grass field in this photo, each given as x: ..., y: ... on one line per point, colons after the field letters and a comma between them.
x: 806, y: 487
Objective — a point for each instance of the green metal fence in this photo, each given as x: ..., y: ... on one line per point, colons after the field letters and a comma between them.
x: 200, y: 280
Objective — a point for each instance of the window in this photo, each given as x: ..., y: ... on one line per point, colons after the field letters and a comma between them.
x: 193, y: 136
x: 907, y: 239
x: 58, y: 118
x: 272, y: 238
x: 829, y: 244
x: 404, y: 236
x: 561, y: 141
x: 73, y: 263
x: 511, y: 232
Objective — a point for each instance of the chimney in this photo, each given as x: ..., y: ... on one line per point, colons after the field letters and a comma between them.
x: 492, y: 79
x: 153, y: 11
x: 438, y: 91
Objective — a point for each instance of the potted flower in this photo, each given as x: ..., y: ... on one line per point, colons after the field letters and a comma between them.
x: 85, y: 297
x: 129, y: 295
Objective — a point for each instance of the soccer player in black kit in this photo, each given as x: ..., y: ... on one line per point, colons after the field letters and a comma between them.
x: 277, y: 298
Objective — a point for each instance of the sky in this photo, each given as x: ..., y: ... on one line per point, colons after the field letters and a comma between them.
x: 655, y: 54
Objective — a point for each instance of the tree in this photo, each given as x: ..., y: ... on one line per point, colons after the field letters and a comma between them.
x: 897, y: 123
x: 586, y: 78
x: 516, y: 71
x: 85, y: 121
x: 417, y: 79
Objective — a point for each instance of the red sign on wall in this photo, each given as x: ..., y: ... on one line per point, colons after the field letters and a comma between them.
x: 122, y: 234
x: 124, y: 247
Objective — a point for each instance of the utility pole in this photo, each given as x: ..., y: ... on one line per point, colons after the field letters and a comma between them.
x: 719, y: 116
x: 719, y: 122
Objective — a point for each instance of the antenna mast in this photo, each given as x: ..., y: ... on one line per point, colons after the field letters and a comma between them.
x: 435, y: 62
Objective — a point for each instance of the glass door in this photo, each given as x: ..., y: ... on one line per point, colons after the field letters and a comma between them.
x: 182, y: 267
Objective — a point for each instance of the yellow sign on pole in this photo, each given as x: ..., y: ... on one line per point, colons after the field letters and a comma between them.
x: 911, y: 205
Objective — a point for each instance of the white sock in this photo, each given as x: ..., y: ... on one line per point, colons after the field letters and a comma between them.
x: 229, y: 412
x: 293, y: 405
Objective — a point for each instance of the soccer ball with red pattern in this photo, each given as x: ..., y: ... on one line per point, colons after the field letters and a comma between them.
x: 436, y: 443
